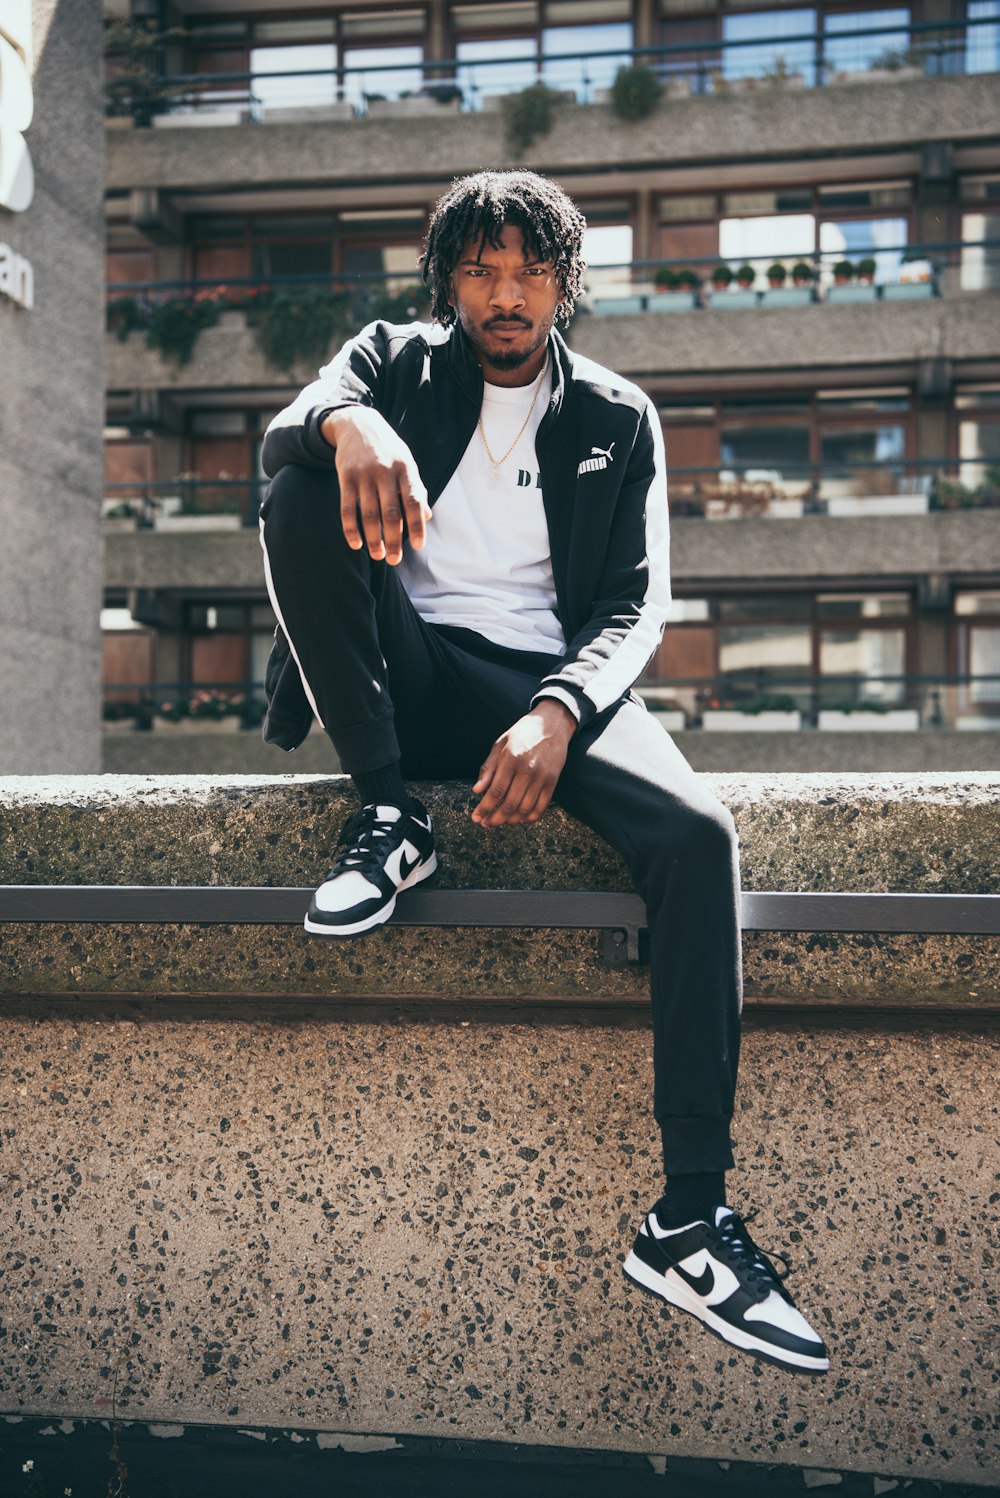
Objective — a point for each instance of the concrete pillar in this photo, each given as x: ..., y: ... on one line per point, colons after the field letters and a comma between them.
x: 52, y: 391
x: 644, y: 32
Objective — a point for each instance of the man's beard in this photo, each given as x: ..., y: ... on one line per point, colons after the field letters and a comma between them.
x: 505, y: 358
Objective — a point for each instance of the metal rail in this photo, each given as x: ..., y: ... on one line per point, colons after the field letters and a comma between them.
x: 620, y: 916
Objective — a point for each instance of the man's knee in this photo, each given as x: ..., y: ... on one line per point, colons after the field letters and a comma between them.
x: 703, y: 831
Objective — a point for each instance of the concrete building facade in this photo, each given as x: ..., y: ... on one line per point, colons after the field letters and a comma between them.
x: 832, y: 425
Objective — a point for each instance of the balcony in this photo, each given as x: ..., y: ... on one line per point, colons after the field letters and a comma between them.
x: 901, y: 487
x: 940, y: 85
x: 937, y: 302
x: 760, y: 701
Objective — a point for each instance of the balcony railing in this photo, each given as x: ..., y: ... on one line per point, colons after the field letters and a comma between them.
x: 806, y: 59
x: 778, y: 490
x: 762, y: 699
x: 782, y: 278
x: 775, y: 700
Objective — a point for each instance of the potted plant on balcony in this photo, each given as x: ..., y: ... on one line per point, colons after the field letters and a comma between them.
x: 777, y: 274
x: 119, y: 717
x: 722, y: 277
x: 866, y: 270
x: 772, y: 713
x: 211, y: 711
x: 802, y: 273
x: 676, y: 290
x: 745, y: 276
x: 843, y: 273
x: 860, y: 716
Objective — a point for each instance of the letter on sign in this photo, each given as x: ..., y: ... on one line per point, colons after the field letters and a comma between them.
x: 17, y: 177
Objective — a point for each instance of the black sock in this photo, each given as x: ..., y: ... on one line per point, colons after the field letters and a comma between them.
x: 383, y: 787
x: 691, y: 1198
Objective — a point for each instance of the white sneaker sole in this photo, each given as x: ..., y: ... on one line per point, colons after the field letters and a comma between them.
x: 676, y: 1293
x: 379, y: 918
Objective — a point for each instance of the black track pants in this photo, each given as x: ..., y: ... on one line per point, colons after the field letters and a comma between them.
x: 387, y: 685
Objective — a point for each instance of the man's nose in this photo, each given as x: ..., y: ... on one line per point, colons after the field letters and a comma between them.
x: 507, y: 294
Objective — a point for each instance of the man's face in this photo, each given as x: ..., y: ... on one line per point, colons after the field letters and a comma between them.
x: 506, y: 303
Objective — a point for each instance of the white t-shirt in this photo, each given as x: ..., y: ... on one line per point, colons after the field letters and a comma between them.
x: 485, y: 564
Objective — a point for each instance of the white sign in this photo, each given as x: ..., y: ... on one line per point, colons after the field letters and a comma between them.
x: 17, y: 279
x: 17, y: 176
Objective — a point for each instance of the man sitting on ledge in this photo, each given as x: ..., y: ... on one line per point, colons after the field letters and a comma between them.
x: 465, y: 544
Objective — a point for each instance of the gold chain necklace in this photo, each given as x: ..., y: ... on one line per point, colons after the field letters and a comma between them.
x: 496, y: 463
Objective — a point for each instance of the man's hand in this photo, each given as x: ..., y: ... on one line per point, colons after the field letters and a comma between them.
x: 380, y: 486
x: 522, y: 768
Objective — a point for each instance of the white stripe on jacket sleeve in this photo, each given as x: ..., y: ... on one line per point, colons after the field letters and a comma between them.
x: 610, y: 681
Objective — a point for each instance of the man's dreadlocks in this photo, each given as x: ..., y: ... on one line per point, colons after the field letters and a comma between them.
x: 477, y: 208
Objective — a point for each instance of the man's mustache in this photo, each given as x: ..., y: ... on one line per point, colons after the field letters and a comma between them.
x: 506, y: 321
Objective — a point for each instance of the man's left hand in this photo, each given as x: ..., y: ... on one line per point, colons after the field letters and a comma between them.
x: 523, y: 767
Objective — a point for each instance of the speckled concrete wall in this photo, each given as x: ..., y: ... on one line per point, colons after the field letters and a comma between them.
x: 419, y: 1228
x: 904, y: 833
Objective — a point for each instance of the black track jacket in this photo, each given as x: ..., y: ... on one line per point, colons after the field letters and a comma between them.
x: 600, y: 455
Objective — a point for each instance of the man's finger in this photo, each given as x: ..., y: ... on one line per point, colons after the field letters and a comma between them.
x: 391, y: 510
x: 495, y: 793
x: 487, y: 770
x: 371, y: 520
x: 349, y: 515
x: 415, y: 506
x: 510, y: 808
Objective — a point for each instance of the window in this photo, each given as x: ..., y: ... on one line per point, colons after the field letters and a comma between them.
x: 507, y: 71
x: 742, y: 60
x: 386, y: 72
x: 846, y: 53
x: 863, y: 635
x: 977, y: 624
x: 588, y: 74
x: 858, y: 238
x: 978, y: 448
x: 299, y: 91
x: 769, y: 237
x: 980, y: 266
x: 982, y: 43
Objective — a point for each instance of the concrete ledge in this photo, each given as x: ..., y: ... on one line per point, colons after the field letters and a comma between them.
x: 905, y: 833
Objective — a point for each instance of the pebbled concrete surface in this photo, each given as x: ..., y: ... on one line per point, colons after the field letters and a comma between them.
x: 418, y: 1229
x: 904, y: 832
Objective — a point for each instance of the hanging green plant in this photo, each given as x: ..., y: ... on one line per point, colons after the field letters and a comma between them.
x: 635, y: 92
x: 123, y: 315
x: 528, y: 115
x: 296, y: 324
x: 409, y: 304
x: 174, y: 326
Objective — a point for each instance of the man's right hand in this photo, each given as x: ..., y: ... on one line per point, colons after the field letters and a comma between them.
x: 380, y: 486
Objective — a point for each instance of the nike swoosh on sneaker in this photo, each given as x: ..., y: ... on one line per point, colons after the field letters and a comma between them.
x: 406, y: 866
x: 702, y: 1284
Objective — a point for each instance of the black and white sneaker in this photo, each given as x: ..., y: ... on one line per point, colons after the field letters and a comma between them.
x: 384, y: 850
x: 717, y: 1272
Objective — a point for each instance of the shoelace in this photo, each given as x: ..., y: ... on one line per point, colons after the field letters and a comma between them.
x: 363, y: 841
x: 756, y: 1264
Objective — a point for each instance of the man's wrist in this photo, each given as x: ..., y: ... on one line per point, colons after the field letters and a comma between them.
x: 557, y: 712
